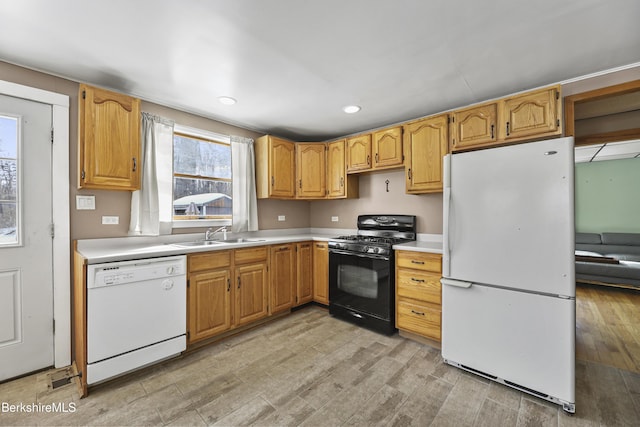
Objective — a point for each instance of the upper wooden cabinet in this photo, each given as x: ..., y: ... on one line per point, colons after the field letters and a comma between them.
x: 339, y: 184
x: 387, y: 148
x: 474, y: 126
x: 311, y: 170
x: 425, y: 143
x: 275, y: 168
x: 523, y: 117
x: 378, y: 150
x: 532, y: 114
x: 359, y: 153
x: 109, y: 140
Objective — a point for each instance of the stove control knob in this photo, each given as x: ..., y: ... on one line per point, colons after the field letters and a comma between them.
x: 366, y: 249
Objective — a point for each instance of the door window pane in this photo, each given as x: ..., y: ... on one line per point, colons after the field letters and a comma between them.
x: 9, y: 208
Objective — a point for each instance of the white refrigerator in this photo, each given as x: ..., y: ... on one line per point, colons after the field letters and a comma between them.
x: 508, y: 286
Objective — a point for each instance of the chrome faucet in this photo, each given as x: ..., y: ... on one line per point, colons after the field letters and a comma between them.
x: 210, y: 233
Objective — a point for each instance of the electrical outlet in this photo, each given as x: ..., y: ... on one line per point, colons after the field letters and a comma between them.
x: 85, y: 203
x: 281, y: 218
x: 110, y: 220
x: 334, y: 219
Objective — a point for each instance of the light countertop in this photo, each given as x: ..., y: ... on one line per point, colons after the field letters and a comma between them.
x: 129, y: 248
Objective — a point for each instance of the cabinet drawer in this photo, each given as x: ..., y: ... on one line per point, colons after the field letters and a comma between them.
x: 242, y: 256
x: 418, y: 285
x: 419, y: 260
x: 209, y: 260
x: 418, y: 318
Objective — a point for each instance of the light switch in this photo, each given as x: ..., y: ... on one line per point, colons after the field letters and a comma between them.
x: 334, y: 219
x: 110, y: 220
x: 85, y: 203
x: 281, y: 218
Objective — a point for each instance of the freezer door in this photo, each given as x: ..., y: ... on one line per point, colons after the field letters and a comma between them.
x: 523, y: 338
x: 509, y: 217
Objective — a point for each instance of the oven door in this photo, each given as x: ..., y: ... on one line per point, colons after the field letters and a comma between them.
x: 361, y: 282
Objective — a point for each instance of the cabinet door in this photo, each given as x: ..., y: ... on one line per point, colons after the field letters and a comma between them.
x: 209, y: 304
x: 532, y: 114
x: 321, y: 272
x: 282, y: 168
x: 474, y: 127
x: 425, y: 144
x: 304, y: 273
x: 311, y: 170
x: 252, y: 293
x: 359, y: 153
x: 109, y: 140
x: 282, y: 278
x: 336, y: 169
x: 387, y: 148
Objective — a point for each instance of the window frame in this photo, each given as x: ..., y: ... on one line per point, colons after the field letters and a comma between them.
x: 206, y: 136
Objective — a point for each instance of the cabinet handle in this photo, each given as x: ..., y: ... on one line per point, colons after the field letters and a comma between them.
x: 507, y: 128
x: 368, y: 160
x: 272, y: 180
x: 342, y: 181
x: 282, y: 249
x: 300, y: 183
x: 417, y: 312
x: 492, y: 126
x: 319, y: 245
x: 413, y: 279
x: 376, y: 157
x: 238, y: 282
x: 228, y: 284
x: 409, y: 173
x: 413, y: 261
x: 135, y: 164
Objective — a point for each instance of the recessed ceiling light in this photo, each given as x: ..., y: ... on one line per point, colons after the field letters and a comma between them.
x: 226, y: 100
x: 350, y: 109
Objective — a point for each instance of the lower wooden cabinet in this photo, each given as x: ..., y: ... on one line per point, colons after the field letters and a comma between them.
x: 283, y: 276
x: 304, y: 273
x: 321, y: 272
x: 419, y: 293
x: 226, y: 289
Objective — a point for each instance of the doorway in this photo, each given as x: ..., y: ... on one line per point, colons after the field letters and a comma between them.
x: 58, y: 189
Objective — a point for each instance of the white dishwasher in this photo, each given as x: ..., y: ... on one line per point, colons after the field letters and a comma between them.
x: 136, y: 314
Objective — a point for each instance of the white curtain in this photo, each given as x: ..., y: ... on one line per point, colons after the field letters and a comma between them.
x: 150, y: 208
x: 245, y: 204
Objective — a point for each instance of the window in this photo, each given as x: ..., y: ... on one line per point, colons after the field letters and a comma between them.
x: 201, y: 176
x: 9, y: 172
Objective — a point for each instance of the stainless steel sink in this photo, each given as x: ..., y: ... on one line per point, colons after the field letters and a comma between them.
x: 241, y: 240
x: 197, y: 243
x: 215, y: 242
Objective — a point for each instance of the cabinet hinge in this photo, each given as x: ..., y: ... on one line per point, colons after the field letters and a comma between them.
x: 54, y: 326
x: 558, y: 123
x: 84, y: 94
x: 188, y: 335
x: 52, y: 230
x: 557, y: 95
x: 188, y: 283
x: 82, y: 175
x: 52, y: 135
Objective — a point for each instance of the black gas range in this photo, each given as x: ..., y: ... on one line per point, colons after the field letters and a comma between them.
x: 362, y: 270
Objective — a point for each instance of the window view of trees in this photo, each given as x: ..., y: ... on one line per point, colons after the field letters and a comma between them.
x: 202, y: 178
x: 8, y: 179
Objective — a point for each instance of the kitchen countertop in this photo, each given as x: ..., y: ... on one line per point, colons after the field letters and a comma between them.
x: 139, y: 247
x: 430, y: 246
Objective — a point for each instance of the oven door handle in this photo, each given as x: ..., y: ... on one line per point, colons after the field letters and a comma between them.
x: 370, y: 256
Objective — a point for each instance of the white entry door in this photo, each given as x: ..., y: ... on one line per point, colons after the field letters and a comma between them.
x: 26, y: 271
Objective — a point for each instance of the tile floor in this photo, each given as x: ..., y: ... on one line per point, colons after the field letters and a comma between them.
x: 310, y: 369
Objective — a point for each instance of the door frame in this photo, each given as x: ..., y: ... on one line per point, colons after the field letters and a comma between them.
x: 60, y: 212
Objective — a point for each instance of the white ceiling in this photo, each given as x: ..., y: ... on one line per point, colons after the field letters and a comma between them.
x: 292, y: 65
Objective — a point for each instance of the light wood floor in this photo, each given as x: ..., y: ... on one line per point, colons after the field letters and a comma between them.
x: 311, y: 369
x: 608, y: 326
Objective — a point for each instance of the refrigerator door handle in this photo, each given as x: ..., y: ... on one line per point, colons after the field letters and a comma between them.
x: 446, y: 203
x: 456, y: 283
